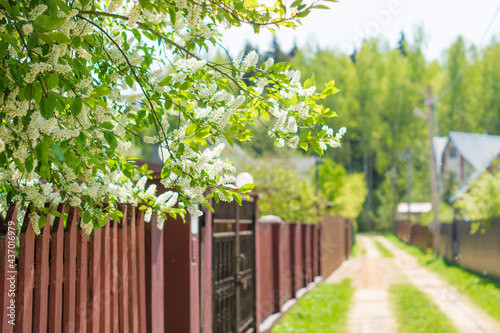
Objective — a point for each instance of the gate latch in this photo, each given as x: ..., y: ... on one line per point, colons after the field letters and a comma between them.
x: 241, y: 281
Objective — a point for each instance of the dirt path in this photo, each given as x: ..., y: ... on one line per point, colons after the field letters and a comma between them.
x: 466, y: 316
x: 372, y: 276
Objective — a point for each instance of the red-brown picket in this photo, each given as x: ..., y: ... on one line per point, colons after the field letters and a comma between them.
x: 6, y: 268
x: 115, y: 325
x: 141, y: 268
x: 123, y: 271
x: 81, y: 281
x: 56, y: 273
x: 105, y: 325
x: 133, y: 314
x: 26, y: 277
x: 69, y: 287
x: 42, y: 275
x: 94, y: 284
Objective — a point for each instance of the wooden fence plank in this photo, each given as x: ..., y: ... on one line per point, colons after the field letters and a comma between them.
x: 81, y: 281
x: 133, y: 314
x: 105, y: 325
x: 42, y: 278
x: 141, y: 268
x: 56, y: 272
x: 24, y: 302
x: 7, y: 278
x: 123, y: 272
x: 69, y: 288
x: 115, y: 326
x: 94, y: 284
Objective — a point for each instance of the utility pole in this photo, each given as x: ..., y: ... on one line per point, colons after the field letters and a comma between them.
x: 408, y: 180
x: 434, y: 185
x: 429, y: 117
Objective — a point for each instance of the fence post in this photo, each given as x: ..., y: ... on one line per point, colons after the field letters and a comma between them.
x: 206, y: 271
x: 277, y: 267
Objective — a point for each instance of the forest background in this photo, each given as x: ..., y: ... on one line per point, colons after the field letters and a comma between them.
x: 380, y: 87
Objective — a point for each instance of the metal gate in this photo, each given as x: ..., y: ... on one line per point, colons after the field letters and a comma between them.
x: 233, y: 267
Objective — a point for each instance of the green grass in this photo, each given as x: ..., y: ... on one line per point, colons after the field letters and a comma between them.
x: 323, y: 309
x: 384, y: 252
x: 357, y: 250
x: 483, y: 291
x: 416, y: 312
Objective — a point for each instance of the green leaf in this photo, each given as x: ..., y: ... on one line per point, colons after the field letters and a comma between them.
x: 237, y: 197
x: 172, y: 12
x: 76, y: 106
x: 29, y: 163
x: 32, y: 41
x: 111, y: 139
x: 58, y: 151
x: 107, y: 125
x: 53, y: 81
x: 45, y: 23
x: 42, y: 221
x: 247, y: 188
x: 3, y: 49
x: 86, y: 217
x: 49, y: 106
x: 62, y: 5
x: 59, y: 37
x: 191, y: 129
x: 129, y: 81
x: 101, y: 91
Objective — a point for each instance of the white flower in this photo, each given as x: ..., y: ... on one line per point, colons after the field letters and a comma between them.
x: 141, y: 184
x: 269, y: 62
x: 148, y: 214
x: 27, y: 29
x: 250, y: 60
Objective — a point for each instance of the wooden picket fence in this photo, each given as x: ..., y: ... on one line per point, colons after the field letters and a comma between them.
x: 80, y: 283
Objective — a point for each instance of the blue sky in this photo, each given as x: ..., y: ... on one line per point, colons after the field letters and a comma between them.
x: 344, y: 26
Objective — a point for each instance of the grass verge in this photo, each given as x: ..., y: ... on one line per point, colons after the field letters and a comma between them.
x: 384, y: 252
x: 416, y: 312
x: 357, y: 250
x: 483, y: 291
x: 323, y: 309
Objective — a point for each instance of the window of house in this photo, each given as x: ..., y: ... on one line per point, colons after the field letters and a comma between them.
x: 453, y: 152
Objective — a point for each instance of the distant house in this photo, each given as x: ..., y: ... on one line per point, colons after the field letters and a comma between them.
x: 466, y: 156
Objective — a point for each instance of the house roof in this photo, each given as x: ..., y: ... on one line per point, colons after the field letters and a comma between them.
x: 480, y: 150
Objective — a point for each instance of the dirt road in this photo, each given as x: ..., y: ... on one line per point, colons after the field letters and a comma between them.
x: 372, y: 276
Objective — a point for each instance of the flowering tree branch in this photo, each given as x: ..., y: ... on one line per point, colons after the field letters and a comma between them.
x: 82, y: 81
